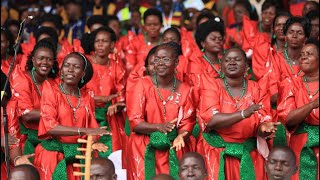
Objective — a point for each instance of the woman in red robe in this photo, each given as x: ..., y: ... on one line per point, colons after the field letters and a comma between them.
x: 67, y: 114
x: 6, y: 51
x: 139, y: 46
x: 234, y: 33
x: 209, y: 37
x: 299, y: 110
x: 27, y: 87
x: 262, y: 47
x: 107, y: 87
x: 160, y: 111
x: 235, y: 115
x: 285, y: 64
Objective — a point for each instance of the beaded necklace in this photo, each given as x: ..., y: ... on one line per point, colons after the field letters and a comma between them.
x: 35, y: 82
x: 211, y: 63
x: 164, y: 102
x: 148, y: 42
x: 290, y: 63
x: 230, y: 93
x: 74, y: 109
x: 308, y: 89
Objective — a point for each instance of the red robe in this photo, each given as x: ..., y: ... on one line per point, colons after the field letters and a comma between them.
x: 233, y: 37
x: 293, y: 95
x: 55, y: 110
x: 215, y: 99
x: 136, y: 51
x: 5, y: 64
x: 144, y: 104
x: 281, y: 70
x: 108, y: 80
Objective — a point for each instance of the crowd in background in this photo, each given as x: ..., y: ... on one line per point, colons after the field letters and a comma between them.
x: 236, y: 81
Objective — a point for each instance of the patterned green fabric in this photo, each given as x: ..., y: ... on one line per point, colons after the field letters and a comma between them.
x: 240, y: 151
x: 162, y: 142
x: 69, y: 151
x: 196, y: 129
x: 106, y: 139
x: 32, y: 140
x: 280, y: 134
x: 127, y: 129
x: 308, y: 159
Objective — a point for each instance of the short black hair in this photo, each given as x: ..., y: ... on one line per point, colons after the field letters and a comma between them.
x: 55, y: 19
x: 150, y: 53
x: 195, y: 155
x: 93, y: 35
x: 304, y: 22
x: 31, y: 169
x: 287, y: 149
x: 236, y: 48
x: 175, y: 47
x: 87, y: 67
x: 205, y: 13
x: 97, y: 19
x: 112, y: 18
x: 11, y: 22
x: 44, y: 43
x: 270, y: 3
x: 313, y: 41
x: 175, y: 31
x: 152, y: 11
x: 206, y: 28
x: 47, y: 30
x: 314, y: 14
x: 9, y: 37
x: 251, y: 9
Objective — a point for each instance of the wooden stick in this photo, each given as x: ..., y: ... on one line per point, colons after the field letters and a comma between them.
x: 86, y: 157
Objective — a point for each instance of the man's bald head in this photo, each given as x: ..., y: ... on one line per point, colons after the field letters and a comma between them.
x: 25, y: 172
x: 162, y: 177
x: 102, y: 168
x: 192, y: 166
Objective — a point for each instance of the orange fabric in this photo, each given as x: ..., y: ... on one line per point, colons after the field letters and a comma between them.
x: 55, y: 111
x: 294, y: 95
x: 144, y: 105
x: 215, y: 99
x: 5, y: 64
x: 227, y: 13
x: 233, y: 37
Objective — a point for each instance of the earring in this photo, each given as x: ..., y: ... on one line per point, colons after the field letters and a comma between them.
x: 175, y: 71
x: 222, y: 75
x: 286, y: 45
x: 202, y: 50
x: 33, y: 68
x: 274, y: 36
x: 53, y: 71
x: 82, y: 81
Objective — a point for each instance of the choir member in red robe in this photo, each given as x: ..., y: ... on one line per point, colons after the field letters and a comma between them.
x: 161, y: 112
x: 299, y: 110
x: 285, y: 64
x: 7, y: 51
x: 67, y: 113
x: 107, y: 86
x: 235, y: 117
x: 139, y: 45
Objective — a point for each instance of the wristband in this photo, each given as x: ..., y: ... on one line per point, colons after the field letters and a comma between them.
x: 79, y: 132
x: 242, y: 114
x: 15, y: 159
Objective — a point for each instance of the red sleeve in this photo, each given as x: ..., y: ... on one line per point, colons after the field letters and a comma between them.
x: 135, y: 74
x: 22, y: 91
x: 130, y: 51
x: 274, y: 75
x: 136, y: 103
x: 77, y: 46
x: 120, y: 80
x: 188, y: 121
x: 49, y: 115
x: 286, y: 100
x: 209, y: 104
x: 250, y: 31
x: 261, y: 57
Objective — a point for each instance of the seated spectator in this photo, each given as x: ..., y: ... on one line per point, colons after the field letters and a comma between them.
x: 192, y: 166
x: 24, y: 171
x: 102, y: 168
x: 281, y: 163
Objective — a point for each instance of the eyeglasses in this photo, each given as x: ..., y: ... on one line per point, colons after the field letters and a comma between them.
x: 165, y: 60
